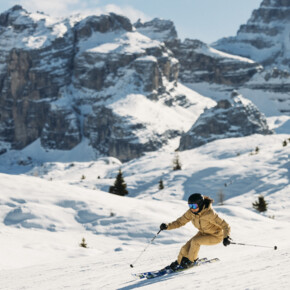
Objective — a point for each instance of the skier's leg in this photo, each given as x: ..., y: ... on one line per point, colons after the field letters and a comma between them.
x: 201, y: 239
x: 186, y: 248
x: 183, y: 251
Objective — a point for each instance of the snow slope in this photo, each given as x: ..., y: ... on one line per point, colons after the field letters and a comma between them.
x: 47, y: 210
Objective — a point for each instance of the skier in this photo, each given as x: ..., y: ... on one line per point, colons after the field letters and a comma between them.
x: 212, y: 229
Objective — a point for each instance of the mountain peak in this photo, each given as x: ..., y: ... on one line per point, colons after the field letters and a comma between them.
x: 275, y: 3
x: 20, y: 19
x: 103, y: 24
x: 157, y: 29
x: 264, y: 38
x: 16, y: 8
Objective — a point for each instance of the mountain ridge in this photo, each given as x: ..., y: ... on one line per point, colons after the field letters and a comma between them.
x: 64, y: 81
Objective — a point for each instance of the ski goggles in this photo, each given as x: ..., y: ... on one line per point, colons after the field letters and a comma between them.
x: 193, y: 205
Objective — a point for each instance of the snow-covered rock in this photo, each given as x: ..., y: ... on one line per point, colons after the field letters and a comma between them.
x: 159, y: 29
x: 237, y: 117
x: 198, y: 61
x: 201, y: 63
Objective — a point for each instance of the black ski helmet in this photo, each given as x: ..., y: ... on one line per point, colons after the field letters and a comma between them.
x: 196, y: 198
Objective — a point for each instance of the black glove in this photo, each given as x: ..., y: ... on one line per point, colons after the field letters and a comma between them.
x: 163, y: 227
x: 227, y: 241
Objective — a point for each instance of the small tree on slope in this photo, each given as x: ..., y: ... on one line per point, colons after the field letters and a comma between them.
x: 261, y: 204
x: 161, y: 185
x: 83, y: 244
x: 119, y: 186
x: 176, y: 162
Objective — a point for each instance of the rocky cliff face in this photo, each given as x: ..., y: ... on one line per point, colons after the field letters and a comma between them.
x: 158, y: 29
x: 237, y: 117
x: 35, y: 63
x: 201, y: 63
x: 113, y: 83
x: 58, y: 80
x: 198, y: 61
x: 265, y: 37
x: 255, y: 62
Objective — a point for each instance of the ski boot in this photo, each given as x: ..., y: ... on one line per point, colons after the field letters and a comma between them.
x: 186, y: 263
x: 174, y: 266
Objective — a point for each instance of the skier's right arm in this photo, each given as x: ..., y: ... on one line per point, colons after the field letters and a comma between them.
x: 180, y: 221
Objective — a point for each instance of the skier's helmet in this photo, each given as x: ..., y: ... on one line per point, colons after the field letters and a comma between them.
x: 196, y: 198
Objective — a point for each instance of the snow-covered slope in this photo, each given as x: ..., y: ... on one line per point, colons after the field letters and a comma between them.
x: 46, y: 212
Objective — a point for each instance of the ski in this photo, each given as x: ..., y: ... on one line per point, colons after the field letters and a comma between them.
x: 167, y: 270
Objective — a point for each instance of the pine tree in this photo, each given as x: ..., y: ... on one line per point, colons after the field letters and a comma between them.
x: 261, y: 204
x: 83, y: 244
x: 161, y: 186
x: 119, y: 186
x: 176, y: 163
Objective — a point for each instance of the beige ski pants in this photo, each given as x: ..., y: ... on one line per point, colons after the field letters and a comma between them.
x: 191, y: 248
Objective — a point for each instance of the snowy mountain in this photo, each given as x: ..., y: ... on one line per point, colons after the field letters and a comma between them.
x: 216, y: 74
x: 265, y: 37
x: 100, y: 80
x: 255, y: 62
x: 81, y: 78
x: 198, y: 61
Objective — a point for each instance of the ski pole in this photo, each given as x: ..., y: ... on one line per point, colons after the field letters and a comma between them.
x: 131, y: 265
x: 242, y: 244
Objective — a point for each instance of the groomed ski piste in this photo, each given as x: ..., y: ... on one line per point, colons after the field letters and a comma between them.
x: 46, y: 209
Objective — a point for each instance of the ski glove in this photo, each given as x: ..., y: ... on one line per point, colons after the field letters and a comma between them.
x: 163, y: 227
x: 227, y: 241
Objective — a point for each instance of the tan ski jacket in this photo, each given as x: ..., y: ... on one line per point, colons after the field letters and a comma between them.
x: 207, y: 222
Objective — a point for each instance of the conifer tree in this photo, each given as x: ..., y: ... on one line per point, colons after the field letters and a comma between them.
x: 119, y: 186
x: 83, y: 244
x: 176, y: 163
x: 261, y: 204
x: 161, y: 186
x: 257, y: 150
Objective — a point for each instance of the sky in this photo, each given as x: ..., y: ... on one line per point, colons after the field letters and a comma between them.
x: 206, y: 20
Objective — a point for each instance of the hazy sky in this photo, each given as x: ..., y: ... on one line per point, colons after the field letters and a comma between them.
x: 207, y: 20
